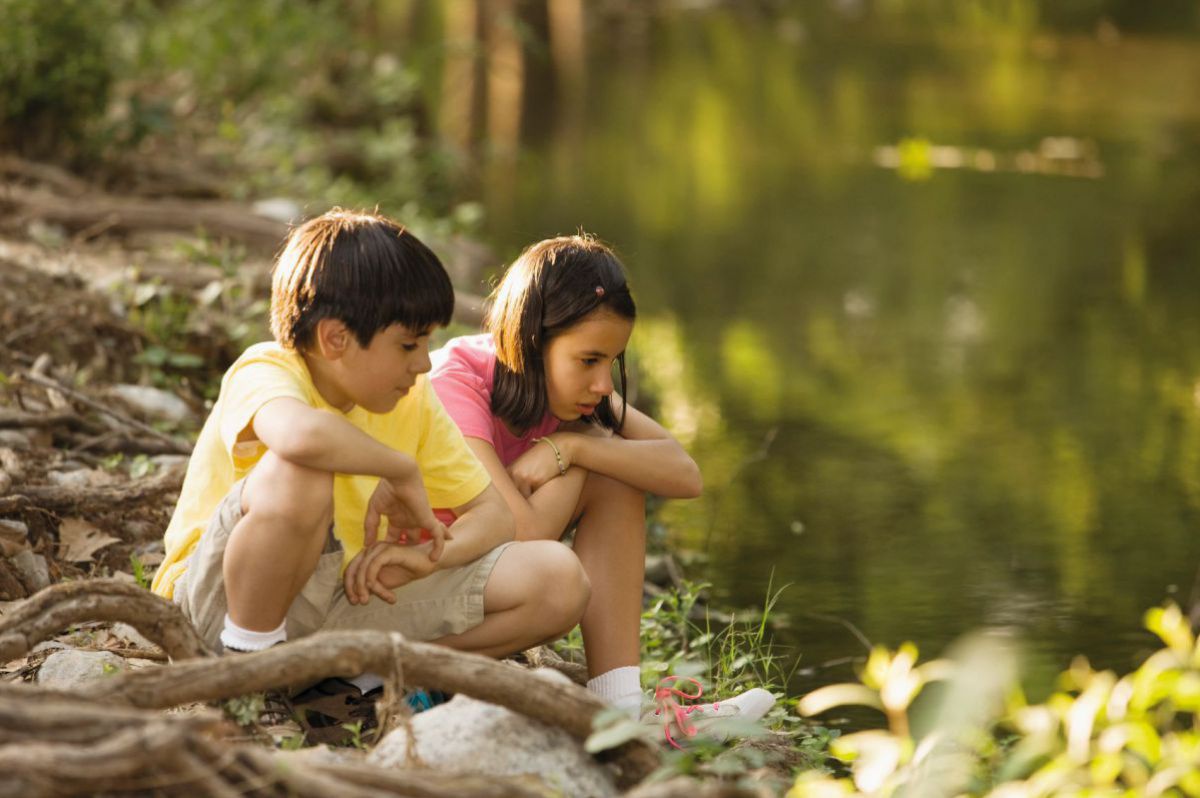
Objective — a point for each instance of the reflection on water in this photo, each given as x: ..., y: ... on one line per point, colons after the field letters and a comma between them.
x: 931, y: 398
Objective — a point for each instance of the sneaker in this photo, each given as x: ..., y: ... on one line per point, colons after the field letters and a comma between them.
x: 690, y: 719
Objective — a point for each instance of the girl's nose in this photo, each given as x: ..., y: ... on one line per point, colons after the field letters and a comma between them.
x: 604, y: 385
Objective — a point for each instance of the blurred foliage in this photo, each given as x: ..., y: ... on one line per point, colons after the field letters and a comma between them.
x: 56, y: 69
x: 279, y: 98
x: 1099, y: 735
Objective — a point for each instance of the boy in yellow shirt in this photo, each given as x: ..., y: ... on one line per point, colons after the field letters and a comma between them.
x: 324, y: 455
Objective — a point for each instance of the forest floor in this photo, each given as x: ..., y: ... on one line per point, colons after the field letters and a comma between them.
x: 117, y: 318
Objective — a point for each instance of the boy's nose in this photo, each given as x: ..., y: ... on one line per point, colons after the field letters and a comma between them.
x: 422, y: 364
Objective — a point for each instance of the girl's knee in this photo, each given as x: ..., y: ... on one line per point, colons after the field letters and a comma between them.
x: 608, y: 491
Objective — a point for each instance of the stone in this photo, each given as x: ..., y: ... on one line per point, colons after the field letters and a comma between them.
x: 71, y: 667
x: 469, y: 737
x: 14, y: 439
x: 130, y: 635
x: 33, y: 569
x: 153, y: 402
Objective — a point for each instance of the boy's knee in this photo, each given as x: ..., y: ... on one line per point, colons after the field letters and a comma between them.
x: 562, y: 577
x: 282, y: 490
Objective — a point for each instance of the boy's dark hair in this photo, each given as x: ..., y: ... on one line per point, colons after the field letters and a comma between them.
x: 360, y: 268
x: 550, y: 287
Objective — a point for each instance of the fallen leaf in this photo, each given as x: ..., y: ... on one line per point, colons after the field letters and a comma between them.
x: 78, y: 540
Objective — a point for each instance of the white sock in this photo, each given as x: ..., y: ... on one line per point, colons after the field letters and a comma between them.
x: 235, y: 637
x: 621, y: 687
x: 366, y: 682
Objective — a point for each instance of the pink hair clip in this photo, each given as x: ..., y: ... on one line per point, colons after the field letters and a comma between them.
x: 600, y: 291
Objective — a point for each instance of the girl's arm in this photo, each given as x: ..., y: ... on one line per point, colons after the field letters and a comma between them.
x: 541, y: 514
x: 643, y: 455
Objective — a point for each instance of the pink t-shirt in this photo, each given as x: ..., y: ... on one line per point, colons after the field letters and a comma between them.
x: 463, y: 371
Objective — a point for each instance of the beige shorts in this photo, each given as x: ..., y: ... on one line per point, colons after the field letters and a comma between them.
x: 443, y: 603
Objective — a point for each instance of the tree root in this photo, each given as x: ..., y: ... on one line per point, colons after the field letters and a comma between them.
x: 60, y: 606
x: 195, y: 677
x: 102, y: 498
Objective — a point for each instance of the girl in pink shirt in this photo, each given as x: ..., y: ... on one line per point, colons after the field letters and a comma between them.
x: 535, y: 399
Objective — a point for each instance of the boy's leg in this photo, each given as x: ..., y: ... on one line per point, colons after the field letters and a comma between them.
x: 536, y: 592
x: 275, y: 546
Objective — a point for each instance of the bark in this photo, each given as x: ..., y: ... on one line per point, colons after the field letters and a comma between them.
x: 101, y: 498
x: 60, y: 606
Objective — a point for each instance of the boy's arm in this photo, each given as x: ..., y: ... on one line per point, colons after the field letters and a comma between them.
x: 306, y: 436
x: 482, y: 524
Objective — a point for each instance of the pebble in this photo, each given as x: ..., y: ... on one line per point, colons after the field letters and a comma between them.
x: 14, y: 439
x: 34, y: 571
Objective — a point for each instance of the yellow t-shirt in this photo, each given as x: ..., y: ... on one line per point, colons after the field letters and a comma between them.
x: 417, y: 426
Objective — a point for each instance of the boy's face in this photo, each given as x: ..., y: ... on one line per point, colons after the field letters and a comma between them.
x: 379, y: 375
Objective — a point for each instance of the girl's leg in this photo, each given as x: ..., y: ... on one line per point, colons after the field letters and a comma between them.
x: 536, y: 592
x: 610, y: 541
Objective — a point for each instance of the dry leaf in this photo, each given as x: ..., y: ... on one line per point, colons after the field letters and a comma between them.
x: 78, y: 540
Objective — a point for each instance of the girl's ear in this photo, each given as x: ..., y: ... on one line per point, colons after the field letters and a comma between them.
x: 332, y: 338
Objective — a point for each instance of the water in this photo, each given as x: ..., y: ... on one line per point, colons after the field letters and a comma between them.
x: 929, y: 399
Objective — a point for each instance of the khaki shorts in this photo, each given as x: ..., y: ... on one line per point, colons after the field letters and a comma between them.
x: 443, y: 603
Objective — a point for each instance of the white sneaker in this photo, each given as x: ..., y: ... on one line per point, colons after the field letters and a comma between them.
x: 688, y: 721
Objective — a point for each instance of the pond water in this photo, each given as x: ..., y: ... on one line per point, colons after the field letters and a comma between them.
x: 925, y: 308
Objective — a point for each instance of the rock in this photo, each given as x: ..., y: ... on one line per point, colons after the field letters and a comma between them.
x: 84, y: 478
x: 15, y: 440
x: 33, y: 570
x: 280, y: 209
x: 153, y: 402
x: 13, y: 529
x: 469, y: 737
x: 130, y: 635
x: 71, y: 668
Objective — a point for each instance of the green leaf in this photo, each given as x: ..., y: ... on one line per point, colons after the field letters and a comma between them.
x: 611, y: 736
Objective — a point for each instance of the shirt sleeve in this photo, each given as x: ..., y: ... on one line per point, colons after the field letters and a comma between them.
x: 465, y: 397
x: 452, y: 473
x: 247, y: 389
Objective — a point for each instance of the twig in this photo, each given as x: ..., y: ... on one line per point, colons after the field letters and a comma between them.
x: 47, y: 382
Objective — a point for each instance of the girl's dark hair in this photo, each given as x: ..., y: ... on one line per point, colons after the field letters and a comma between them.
x: 549, y: 288
x: 362, y: 269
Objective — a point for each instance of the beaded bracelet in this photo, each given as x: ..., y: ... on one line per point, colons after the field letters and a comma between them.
x: 562, y: 469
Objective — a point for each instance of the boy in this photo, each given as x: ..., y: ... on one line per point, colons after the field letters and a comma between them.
x: 319, y: 436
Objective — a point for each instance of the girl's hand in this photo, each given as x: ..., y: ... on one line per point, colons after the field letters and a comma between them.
x: 539, y: 465
x: 406, y: 506
x: 381, y: 569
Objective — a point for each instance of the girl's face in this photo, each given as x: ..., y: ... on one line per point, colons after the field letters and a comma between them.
x: 579, y: 363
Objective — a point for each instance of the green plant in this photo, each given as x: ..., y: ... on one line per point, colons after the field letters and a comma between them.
x: 1099, y: 735
x: 245, y: 710
x: 139, y: 571
x: 356, y: 735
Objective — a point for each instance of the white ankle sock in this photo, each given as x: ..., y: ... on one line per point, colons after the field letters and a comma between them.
x: 621, y: 687
x: 235, y: 637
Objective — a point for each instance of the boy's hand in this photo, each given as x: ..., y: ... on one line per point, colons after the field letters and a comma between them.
x: 406, y: 506
x: 381, y: 569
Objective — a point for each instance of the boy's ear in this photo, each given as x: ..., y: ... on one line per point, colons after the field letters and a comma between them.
x: 333, y: 338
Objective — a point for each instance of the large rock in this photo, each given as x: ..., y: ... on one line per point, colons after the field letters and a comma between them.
x: 70, y: 668
x: 469, y: 737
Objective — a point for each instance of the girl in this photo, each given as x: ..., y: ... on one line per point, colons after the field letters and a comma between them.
x: 535, y: 399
